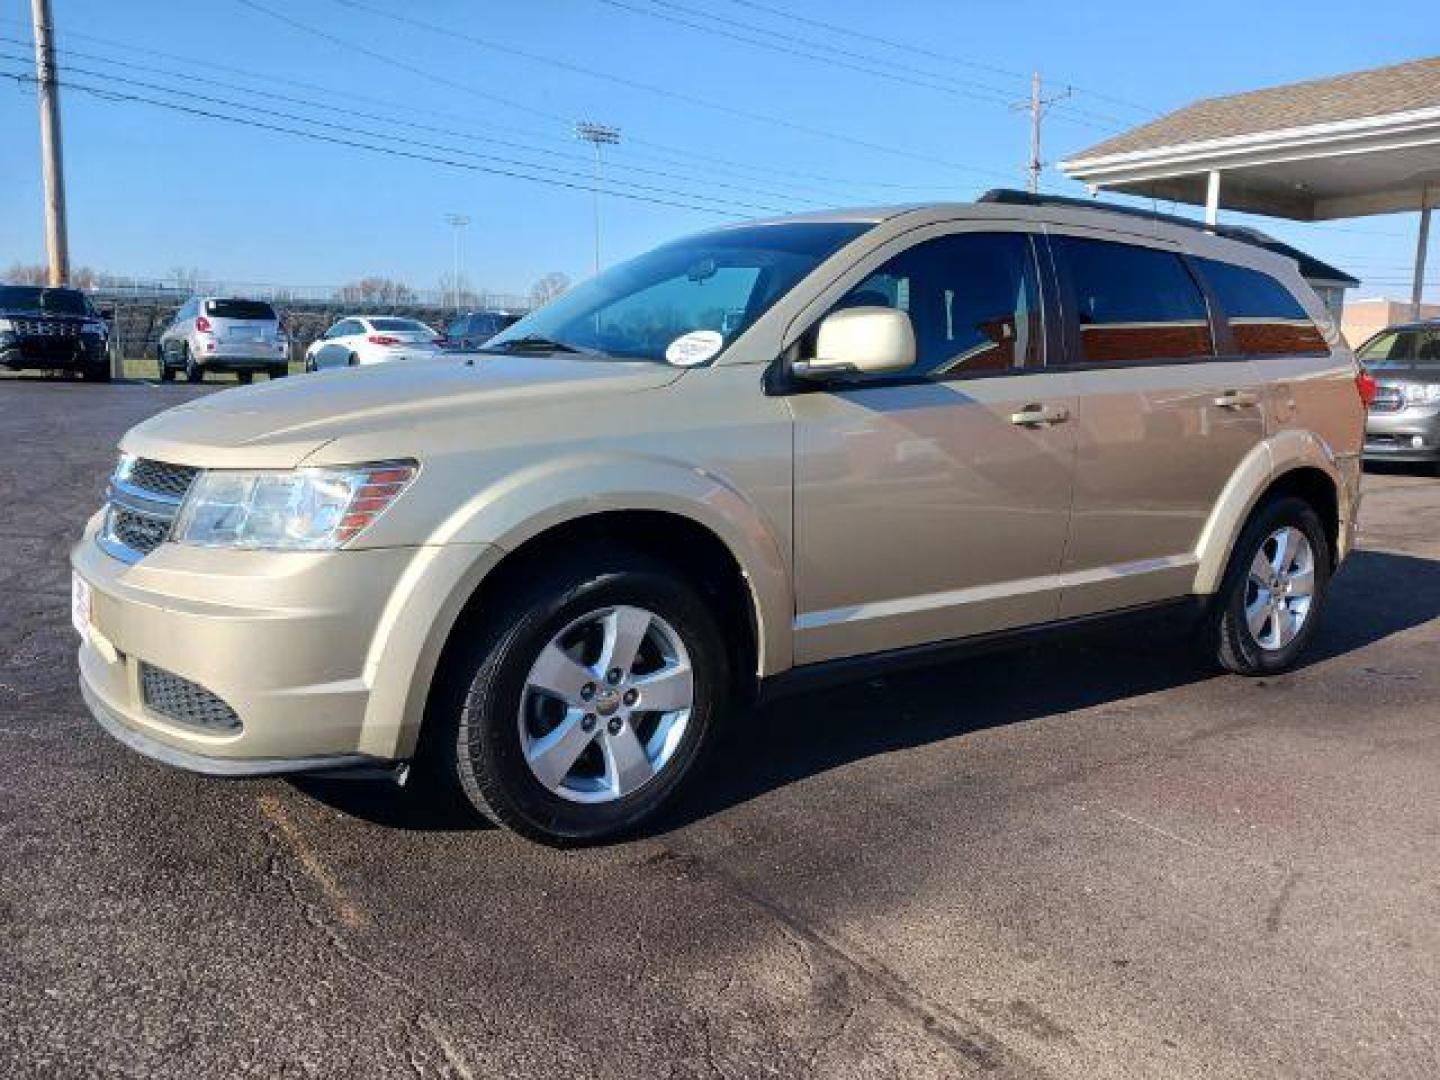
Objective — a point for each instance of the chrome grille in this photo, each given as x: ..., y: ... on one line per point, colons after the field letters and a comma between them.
x: 161, y: 477
x: 137, y: 531
x: 1388, y: 399
x: 46, y: 328
x: 144, y: 497
x: 185, y: 702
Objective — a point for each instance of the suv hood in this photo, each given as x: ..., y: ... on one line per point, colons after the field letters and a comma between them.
x: 278, y: 424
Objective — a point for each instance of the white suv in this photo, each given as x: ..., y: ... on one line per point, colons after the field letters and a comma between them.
x: 214, y: 333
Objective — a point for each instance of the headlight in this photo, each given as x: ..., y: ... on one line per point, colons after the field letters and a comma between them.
x: 294, y: 510
x: 6, y: 326
x: 92, y: 326
x: 1422, y: 393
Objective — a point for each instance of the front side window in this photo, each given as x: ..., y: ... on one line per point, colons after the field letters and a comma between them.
x: 706, y: 290
x: 1265, y: 318
x: 1134, y: 304
x: 972, y: 301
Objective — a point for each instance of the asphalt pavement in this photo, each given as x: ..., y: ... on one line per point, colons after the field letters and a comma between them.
x: 1083, y: 861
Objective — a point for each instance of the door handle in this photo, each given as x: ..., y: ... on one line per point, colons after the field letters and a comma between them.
x: 1038, y: 415
x: 1237, y: 399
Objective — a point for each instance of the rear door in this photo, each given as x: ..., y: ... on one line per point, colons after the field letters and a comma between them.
x: 1167, y: 410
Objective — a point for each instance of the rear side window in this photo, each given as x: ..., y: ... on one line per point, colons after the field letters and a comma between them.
x: 1134, y: 304
x: 239, y: 309
x: 398, y: 326
x: 1265, y: 318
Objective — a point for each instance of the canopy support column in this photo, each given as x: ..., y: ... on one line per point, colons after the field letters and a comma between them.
x: 1212, y: 198
x: 1422, y: 243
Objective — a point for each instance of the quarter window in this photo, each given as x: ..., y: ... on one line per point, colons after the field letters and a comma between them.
x: 1134, y: 304
x: 1265, y: 318
x: 1390, y: 347
x: 971, y: 298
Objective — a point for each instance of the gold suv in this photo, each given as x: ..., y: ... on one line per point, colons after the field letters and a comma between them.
x: 542, y: 573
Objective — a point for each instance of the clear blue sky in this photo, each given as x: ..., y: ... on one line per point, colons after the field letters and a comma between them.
x: 152, y: 189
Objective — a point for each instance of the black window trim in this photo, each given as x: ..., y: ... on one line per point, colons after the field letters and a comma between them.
x: 779, y: 379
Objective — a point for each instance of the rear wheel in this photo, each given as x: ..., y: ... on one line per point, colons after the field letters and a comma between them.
x: 98, y: 373
x: 167, y: 373
x: 1268, y: 607
x: 576, y: 714
x: 245, y: 377
x: 353, y: 360
x: 279, y: 371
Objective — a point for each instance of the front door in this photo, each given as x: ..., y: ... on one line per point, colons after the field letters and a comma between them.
x: 934, y: 505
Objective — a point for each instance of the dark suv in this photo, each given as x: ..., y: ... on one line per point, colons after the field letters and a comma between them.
x: 474, y: 328
x: 52, y: 329
x: 1404, y: 419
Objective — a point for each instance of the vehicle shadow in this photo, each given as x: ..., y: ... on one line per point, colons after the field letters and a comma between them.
x: 1379, y: 594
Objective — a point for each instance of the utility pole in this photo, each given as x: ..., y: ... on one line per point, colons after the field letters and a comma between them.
x: 57, y: 244
x: 597, y: 135
x: 1037, y: 106
x: 457, y: 223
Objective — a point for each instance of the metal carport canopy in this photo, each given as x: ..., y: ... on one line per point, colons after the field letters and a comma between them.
x: 1357, y: 144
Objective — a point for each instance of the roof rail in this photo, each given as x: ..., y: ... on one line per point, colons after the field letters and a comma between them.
x: 1311, y: 268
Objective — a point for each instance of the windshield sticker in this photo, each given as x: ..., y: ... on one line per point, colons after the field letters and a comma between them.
x: 693, y: 348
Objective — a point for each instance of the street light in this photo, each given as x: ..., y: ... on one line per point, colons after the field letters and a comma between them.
x: 457, y: 223
x: 597, y: 135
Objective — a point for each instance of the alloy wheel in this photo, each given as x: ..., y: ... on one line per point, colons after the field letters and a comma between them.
x: 1280, y: 588
x: 606, y: 704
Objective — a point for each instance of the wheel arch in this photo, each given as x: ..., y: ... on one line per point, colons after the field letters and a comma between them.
x: 1294, y: 463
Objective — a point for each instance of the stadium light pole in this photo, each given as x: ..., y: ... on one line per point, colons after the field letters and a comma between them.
x: 597, y: 135
x: 457, y: 223
x: 57, y: 241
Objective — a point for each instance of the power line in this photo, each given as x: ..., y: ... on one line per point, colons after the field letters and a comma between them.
x: 574, y: 185
x: 910, y: 48
x: 792, y: 46
x: 512, y: 52
x: 369, y: 116
x: 833, y: 186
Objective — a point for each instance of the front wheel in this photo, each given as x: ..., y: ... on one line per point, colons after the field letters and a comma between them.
x: 1268, y: 608
x: 193, y: 371
x: 580, y: 710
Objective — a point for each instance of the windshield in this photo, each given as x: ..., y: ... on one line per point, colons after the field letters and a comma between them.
x: 1402, y: 348
x: 683, y: 302
x: 49, y: 301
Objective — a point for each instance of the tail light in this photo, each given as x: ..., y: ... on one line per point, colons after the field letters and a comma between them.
x: 1365, y: 383
x: 202, y: 324
x: 382, y: 339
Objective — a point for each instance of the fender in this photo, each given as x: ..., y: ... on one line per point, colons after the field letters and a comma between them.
x: 517, y: 507
x: 1283, y: 452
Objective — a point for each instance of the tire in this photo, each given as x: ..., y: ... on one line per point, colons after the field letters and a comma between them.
x: 193, y: 372
x: 352, y: 360
x: 484, y: 729
x: 279, y: 371
x: 1270, y: 643
x: 167, y: 373
x: 245, y: 377
x: 97, y: 374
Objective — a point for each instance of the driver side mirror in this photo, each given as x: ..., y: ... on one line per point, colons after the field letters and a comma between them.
x: 861, y: 341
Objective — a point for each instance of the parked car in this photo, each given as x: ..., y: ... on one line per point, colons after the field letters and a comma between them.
x: 371, y: 339
x: 543, y: 580
x: 53, y: 329
x: 217, y: 333
x: 474, y: 328
x: 1404, y: 419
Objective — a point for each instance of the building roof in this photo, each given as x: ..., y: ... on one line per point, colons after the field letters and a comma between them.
x: 1399, y: 88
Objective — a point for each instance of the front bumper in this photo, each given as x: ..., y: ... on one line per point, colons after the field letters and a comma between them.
x: 317, y: 654
x: 1392, y: 436
x: 53, y: 353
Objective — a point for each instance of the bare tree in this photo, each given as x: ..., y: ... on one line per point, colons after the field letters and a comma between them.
x: 27, y: 274
x: 376, y: 290
x: 548, y: 288
x: 187, y: 278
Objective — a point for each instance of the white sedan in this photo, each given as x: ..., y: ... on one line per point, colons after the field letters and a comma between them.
x: 371, y: 340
